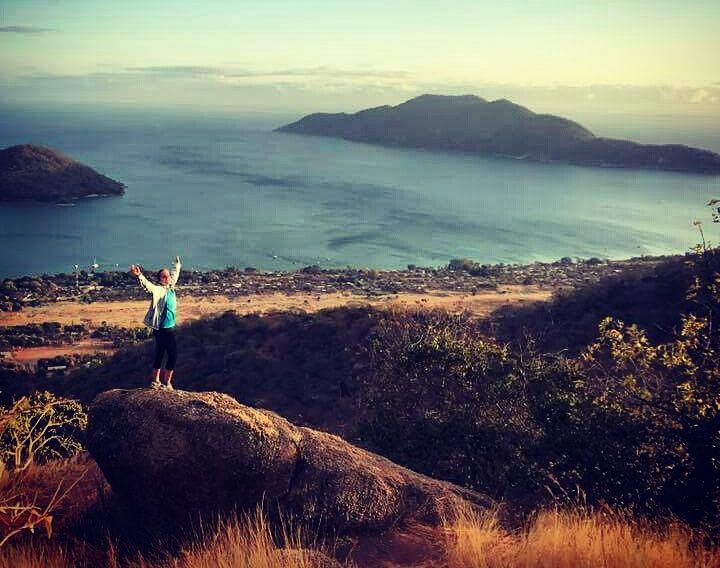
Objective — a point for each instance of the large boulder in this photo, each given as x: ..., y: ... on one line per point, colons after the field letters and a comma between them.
x: 177, y: 454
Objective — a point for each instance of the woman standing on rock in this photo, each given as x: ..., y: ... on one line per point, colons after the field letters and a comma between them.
x: 160, y: 318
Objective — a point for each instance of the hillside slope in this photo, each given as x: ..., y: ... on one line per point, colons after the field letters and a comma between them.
x: 471, y: 124
x: 35, y: 173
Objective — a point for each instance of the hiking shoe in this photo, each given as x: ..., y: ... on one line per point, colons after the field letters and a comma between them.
x: 168, y: 386
x: 156, y: 385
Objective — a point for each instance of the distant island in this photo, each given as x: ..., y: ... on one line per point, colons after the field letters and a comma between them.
x: 34, y: 173
x: 472, y: 124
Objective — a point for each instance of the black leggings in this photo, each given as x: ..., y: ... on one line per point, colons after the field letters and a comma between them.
x: 165, y: 342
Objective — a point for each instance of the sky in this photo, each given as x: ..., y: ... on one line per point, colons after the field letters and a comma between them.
x: 656, y: 56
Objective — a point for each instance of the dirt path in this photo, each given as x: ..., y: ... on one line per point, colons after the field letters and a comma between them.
x: 86, y: 347
x: 130, y: 313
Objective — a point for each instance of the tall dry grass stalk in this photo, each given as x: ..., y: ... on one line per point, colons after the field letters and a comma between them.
x: 553, y: 538
x: 38, y: 555
x: 244, y: 543
x: 236, y: 543
x: 573, y: 539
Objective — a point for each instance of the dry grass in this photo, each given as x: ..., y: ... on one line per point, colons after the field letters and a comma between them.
x: 39, y: 482
x: 41, y: 500
x: 129, y: 313
x: 573, y: 539
x: 38, y: 555
x: 245, y: 543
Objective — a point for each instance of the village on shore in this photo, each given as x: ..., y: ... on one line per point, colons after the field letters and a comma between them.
x: 460, y: 275
x: 49, y: 321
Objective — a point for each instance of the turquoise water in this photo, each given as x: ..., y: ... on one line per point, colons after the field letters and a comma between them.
x: 227, y: 191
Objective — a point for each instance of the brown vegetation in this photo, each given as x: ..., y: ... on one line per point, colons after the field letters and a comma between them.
x: 129, y: 313
x: 553, y: 538
x: 574, y: 538
x: 51, y: 497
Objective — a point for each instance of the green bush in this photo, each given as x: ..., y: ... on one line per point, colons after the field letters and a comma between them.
x: 630, y: 420
x: 444, y: 400
x: 650, y: 417
x: 39, y: 428
x: 652, y: 409
x: 462, y: 264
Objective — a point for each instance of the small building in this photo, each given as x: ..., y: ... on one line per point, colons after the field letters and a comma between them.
x: 56, y: 369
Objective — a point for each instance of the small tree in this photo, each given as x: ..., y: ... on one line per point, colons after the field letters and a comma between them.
x: 39, y: 428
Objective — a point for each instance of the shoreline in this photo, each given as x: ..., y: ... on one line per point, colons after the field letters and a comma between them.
x: 109, y: 301
x: 460, y: 275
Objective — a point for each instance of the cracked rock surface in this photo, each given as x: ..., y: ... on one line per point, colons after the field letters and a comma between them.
x: 174, y: 454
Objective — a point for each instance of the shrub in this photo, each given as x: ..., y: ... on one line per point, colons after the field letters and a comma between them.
x: 20, y: 512
x: 657, y: 406
x: 457, y: 398
x: 462, y: 264
x: 630, y: 420
x: 39, y: 428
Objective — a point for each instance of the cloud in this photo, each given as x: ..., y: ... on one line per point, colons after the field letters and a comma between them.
x: 230, y: 73
x: 705, y: 96
x: 177, y: 70
x: 331, y: 89
x: 28, y: 30
x: 323, y: 71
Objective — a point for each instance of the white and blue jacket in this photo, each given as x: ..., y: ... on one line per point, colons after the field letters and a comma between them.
x: 162, y: 297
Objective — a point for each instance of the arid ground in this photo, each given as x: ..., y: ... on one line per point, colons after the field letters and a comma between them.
x: 129, y: 313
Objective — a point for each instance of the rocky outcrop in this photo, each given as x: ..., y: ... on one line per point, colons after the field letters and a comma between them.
x: 34, y: 173
x: 176, y: 454
x: 471, y: 124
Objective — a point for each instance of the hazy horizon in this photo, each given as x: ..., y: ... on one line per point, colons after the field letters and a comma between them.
x: 288, y: 57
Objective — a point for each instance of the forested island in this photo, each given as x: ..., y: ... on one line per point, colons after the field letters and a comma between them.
x: 474, y: 125
x: 34, y: 173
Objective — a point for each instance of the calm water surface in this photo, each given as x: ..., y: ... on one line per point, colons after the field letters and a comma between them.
x: 224, y: 191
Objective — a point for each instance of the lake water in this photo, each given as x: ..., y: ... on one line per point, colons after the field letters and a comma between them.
x: 228, y: 191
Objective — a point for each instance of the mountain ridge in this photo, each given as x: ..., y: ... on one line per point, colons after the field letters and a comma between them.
x: 471, y: 124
